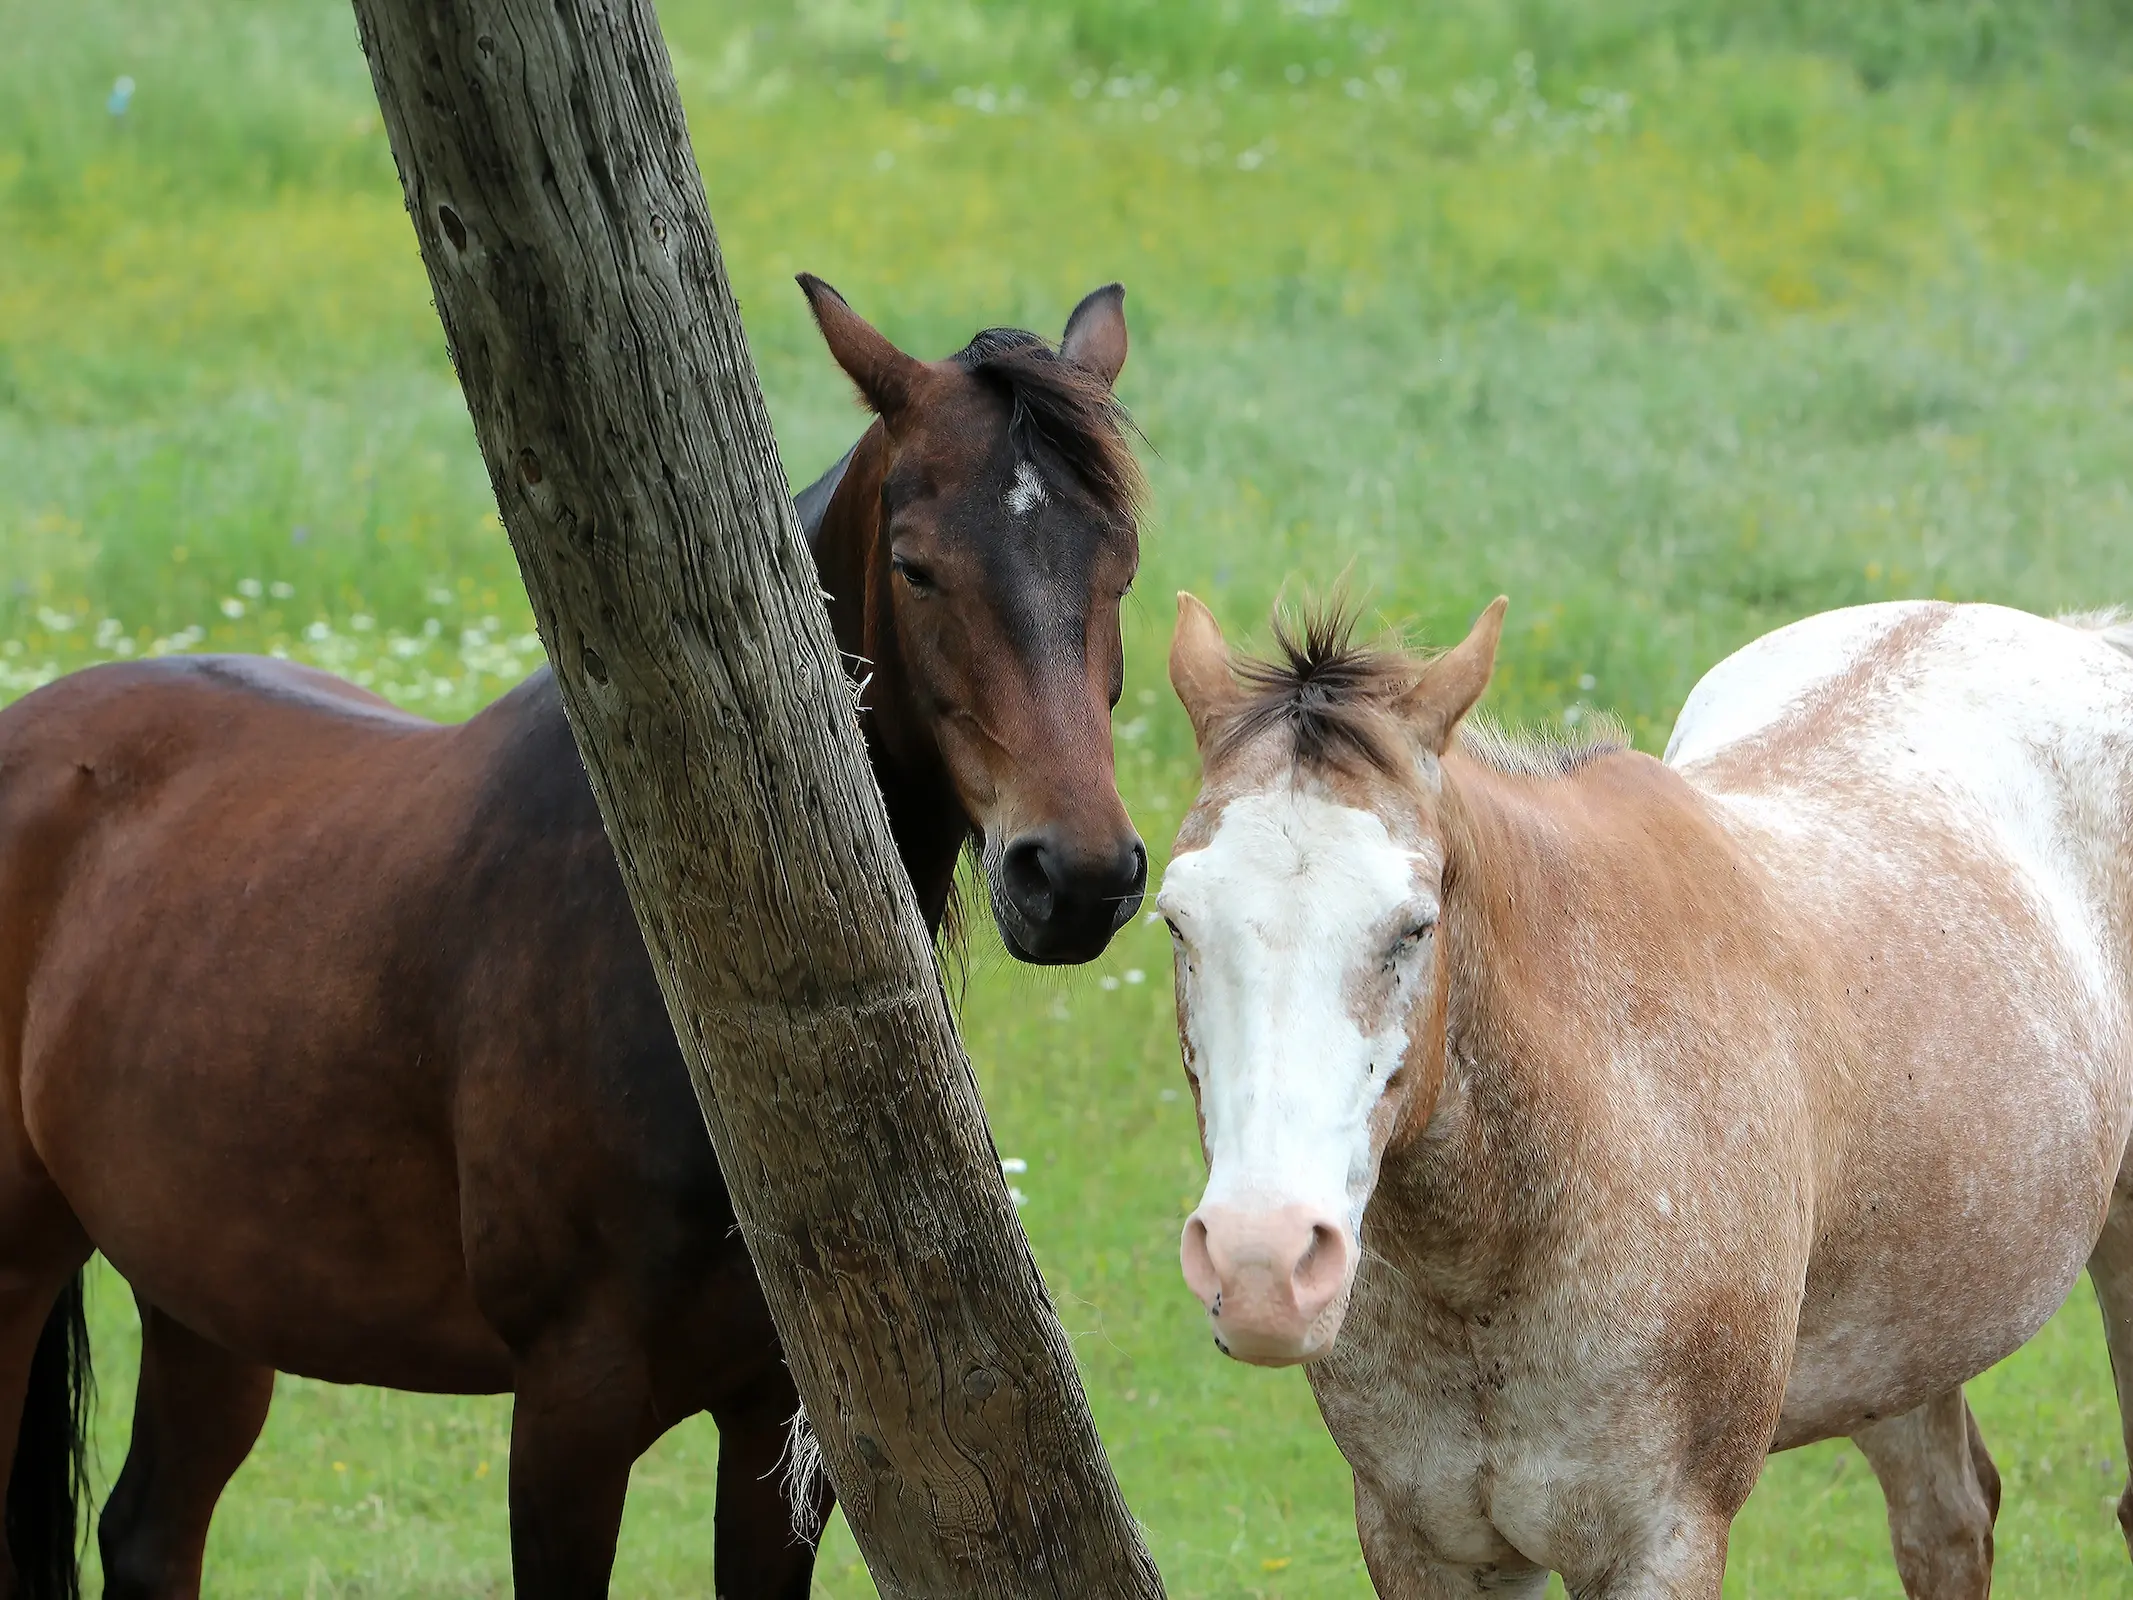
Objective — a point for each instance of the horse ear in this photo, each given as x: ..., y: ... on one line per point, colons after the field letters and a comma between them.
x: 1096, y: 333
x: 1199, y: 668
x: 885, y: 376
x: 1451, y: 684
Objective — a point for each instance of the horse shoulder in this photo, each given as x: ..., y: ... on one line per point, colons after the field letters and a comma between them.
x: 573, y: 1096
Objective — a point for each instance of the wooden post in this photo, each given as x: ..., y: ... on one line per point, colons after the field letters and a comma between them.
x: 559, y: 210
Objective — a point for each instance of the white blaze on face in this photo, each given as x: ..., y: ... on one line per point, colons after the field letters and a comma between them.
x: 1299, y: 929
x: 1027, y: 492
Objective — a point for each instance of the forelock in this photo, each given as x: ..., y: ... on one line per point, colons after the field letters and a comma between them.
x: 1332, y: 705
x: 1331, y: 702
x: 1064, y: 409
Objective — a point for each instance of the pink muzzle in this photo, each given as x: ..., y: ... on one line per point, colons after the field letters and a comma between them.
x: 1274, y: 1282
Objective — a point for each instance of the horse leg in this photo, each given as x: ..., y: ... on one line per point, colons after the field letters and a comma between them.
x: 1943, y: 1495
x: 196, y: 1414
x: 2111, y: 1270
x: 1402, y: 1567
x: 582, y: 1414
x: 43, y: 1378
x: 1684, y: 1560
x: 764, y: 1542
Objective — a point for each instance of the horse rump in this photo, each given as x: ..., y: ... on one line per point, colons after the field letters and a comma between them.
x: 49, y: 1483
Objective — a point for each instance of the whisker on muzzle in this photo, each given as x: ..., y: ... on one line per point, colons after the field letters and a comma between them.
x: 1385, y: 1261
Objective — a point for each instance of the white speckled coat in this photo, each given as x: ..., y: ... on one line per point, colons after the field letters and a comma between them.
x: 1758, y: 1097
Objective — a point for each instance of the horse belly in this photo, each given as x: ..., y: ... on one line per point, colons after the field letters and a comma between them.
x: 1964, y: 1219
x: 225, y: 1101
x: 1974, y: 1108
x: 334, y: 1255
x: 1941, y: 791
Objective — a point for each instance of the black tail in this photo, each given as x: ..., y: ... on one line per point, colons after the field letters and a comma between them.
x: 50, y: 1481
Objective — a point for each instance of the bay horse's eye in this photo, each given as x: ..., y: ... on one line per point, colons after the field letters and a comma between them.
x: 920, y: 578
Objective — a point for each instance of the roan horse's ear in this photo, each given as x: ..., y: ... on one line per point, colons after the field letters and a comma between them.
x: 1451, y: 684
x: 1199, y: 668
x: 1095, y: 337
x: 886, y: 377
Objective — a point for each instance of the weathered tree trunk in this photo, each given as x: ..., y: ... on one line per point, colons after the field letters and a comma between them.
x: 562, y: 219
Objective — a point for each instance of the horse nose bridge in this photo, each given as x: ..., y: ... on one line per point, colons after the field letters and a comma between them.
x: 1271, y: 1128
x: 1068, y: 781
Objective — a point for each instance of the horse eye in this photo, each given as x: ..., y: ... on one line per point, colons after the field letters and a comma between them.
x: 911, y: 572
x: 1413, y: 936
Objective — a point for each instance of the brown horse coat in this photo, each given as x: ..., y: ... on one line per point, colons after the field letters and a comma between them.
x: 332, y: 1028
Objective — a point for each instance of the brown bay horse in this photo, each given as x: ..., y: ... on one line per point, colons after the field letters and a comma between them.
x: 1594, y: 1125
x: 333, y: 1030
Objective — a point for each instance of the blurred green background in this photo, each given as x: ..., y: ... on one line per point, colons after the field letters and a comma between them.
x: 1673, y: 319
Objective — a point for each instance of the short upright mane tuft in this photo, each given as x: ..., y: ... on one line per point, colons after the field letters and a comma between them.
x: 1330, y: 696
x: 1065, y: 407
x: 1337, y: 703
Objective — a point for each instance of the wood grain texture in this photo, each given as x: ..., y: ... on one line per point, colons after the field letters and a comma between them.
x: 560, y: 214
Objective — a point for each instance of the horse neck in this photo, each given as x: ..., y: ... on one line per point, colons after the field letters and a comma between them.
x: 1467, y: 1194
x: 926, y: 817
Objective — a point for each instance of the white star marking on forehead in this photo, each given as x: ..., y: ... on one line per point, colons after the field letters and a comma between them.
x: 1027, y: 492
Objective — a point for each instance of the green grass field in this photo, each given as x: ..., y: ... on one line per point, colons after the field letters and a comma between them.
x: 1673, y: 319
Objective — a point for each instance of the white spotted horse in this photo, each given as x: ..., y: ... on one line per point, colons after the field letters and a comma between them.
x: 1595, y: 1125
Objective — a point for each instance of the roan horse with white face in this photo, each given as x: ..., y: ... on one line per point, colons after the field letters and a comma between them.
x: 1595, y: 1125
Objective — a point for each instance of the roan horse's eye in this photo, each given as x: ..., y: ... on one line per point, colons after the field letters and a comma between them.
x: 918, y: 577
x: 1412, y: 937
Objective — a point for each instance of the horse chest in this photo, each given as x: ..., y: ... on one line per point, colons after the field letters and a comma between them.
x: 1418, y: 1434
x: 1482, y: 1447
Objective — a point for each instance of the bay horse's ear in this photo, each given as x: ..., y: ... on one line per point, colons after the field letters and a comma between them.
x: 1199, y: 668
x: 1095, y: 337
x: 885, y: 376
x: 1451, y: 684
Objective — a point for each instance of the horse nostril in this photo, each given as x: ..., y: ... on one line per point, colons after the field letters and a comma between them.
x: 1323, y: 1267
x: 1137, y: 878
x: 1027, y: 875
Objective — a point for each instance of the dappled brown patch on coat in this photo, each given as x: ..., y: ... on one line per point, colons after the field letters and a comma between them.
x: 1800, y: 744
